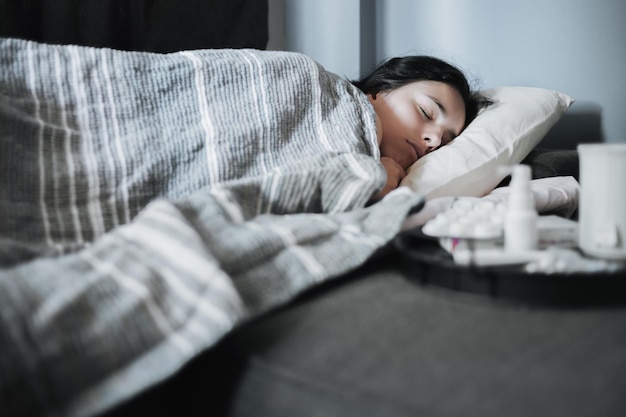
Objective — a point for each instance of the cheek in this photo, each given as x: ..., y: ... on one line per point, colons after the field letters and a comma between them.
x: 399, y: 121
x: 393, y: 142
x: 403, y: 115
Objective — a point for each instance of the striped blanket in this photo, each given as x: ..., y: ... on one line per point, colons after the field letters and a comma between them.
x: 151, y: 203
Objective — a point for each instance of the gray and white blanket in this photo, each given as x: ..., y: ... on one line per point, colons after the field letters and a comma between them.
x: 149, y: 204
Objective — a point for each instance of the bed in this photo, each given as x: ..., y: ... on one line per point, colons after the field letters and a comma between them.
x: 158, y: 258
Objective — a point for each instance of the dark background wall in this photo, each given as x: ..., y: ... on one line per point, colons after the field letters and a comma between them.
x: 143, y: 25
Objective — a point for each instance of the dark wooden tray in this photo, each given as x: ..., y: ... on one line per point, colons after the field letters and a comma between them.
x: 427, y: 263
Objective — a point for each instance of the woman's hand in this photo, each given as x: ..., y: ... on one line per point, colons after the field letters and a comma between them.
x: 395, y: 173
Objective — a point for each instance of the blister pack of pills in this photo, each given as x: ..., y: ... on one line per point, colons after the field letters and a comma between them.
x: 478, y: 223
x: 469, y: 218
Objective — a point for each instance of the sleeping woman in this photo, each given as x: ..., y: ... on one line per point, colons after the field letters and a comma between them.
x: 421, y: 103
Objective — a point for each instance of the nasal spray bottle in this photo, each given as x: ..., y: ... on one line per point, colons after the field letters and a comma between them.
x: 520, y: 222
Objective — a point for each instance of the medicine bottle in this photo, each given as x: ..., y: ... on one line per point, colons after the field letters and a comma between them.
x: 520, y: 222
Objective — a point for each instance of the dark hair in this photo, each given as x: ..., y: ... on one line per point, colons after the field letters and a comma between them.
x: 400, y: 71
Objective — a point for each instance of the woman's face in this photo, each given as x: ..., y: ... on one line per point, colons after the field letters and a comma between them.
x: 416, y: 119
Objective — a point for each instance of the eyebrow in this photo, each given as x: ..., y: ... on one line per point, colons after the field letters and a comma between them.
x: 443, y: 110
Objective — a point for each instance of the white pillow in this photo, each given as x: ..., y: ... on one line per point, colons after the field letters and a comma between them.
x: 500, y: 136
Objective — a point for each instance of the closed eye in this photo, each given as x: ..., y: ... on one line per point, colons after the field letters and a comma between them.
x: 428, y: 116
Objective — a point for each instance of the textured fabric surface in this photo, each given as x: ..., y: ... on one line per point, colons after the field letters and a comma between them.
x: 553, y: 162
x: 152, y: 203
x: 434, y: 352
x: 90, y: 136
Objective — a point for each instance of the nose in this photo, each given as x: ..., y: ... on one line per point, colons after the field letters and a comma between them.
x: 433, y: 137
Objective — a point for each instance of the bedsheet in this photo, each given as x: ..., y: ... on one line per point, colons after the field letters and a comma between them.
x: 151, y: 203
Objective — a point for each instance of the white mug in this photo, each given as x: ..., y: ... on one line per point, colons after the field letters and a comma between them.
x: 602, y: 202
